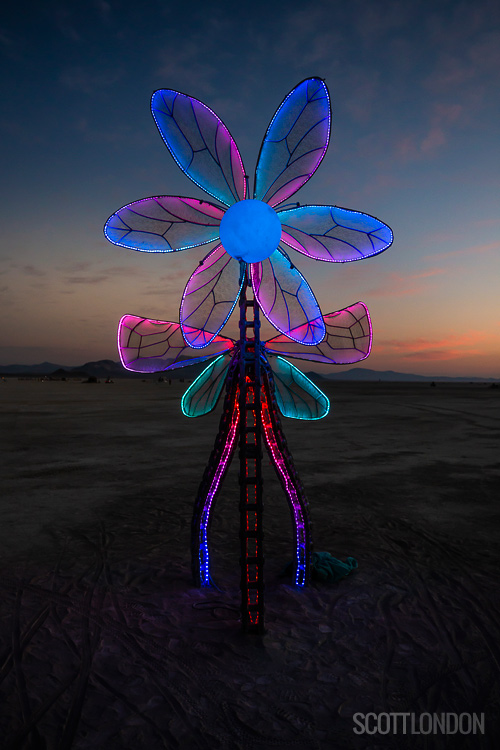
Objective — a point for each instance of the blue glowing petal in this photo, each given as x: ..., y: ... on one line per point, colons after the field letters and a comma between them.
x: 295, y: 142
x: 164, y: 224
x: 210, y: 297
x: 333, y: 234
x: 157, y: 345
x: 296, y: 395
x: 286, y: 299
x: 201, y: 397
x: 201, y: 144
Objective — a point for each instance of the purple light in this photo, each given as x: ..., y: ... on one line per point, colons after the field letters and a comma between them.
x: 348, y: 339
x: 210, y: 297
x: 164, y: 224
x: 201, y: 144
x: 295, y: 142
x: 204, y: 557
x: 286, y: 299
x: 289, y: 486
x: 148, y: 345
x: 333, y: 234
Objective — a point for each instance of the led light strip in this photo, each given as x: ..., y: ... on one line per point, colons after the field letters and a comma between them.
x: 228, y: 450
x: 289, y: 485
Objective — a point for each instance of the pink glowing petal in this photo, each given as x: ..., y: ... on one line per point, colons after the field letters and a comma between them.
x: 210, y: 297
x: 333, y: 234
x: 157, y: 345
x: 348, y: 339
x: 164, y: 224
x: 286, y: 299
x: 201, y: 144
x: 295, y: 142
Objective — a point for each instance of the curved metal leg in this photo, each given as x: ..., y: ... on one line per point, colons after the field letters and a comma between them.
x: 220, y: 459
x: 283, y: 464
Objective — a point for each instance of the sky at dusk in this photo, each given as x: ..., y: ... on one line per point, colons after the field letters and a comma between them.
x: 415, y: 142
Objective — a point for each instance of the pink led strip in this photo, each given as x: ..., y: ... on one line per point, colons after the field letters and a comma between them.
x: 227, y: 453
x: 289, y: 487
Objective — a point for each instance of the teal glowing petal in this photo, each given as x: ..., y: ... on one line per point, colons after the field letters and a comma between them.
x: 296, y: 395
x: 201, y: 397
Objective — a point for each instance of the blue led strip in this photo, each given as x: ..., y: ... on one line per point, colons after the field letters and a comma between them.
x: 315, y: 92
x: 220, y: 459
x: 211, y: 283
x: 334, y: 234
x: 283, y: 464
x: 178, y: 142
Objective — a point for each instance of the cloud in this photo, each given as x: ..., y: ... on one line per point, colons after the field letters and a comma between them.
x: 442, y: 117
x: 486, y: 247
x: 30, y: 270
x: 124, y: 271
x: 450, y: 73
x: 433, y: 140
x: 487, y: 222
x: 422, y: 349
x: 88, y: 273
x: 88, y: 80
x: 86, y: 279
x: 401, y: 285
x: 75, y: 267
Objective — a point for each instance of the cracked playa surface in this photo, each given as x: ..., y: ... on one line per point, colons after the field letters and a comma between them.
x: 104, y: 642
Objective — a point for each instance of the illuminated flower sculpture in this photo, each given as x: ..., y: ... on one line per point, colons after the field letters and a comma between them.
x: 250, y: 255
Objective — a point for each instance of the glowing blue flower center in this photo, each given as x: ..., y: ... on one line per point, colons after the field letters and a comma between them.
x: 250, y: 230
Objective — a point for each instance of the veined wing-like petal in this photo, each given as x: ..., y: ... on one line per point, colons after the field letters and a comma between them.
x: 333, y: 234
x: 201, y: 144
x: 286, y: 299
x: 157, y: 345
x: 348, y: 339
x: 297, y: 396
x: 210, y: 297
x: 295, y: 142
x: 201, y: 397
x: 164, y: 224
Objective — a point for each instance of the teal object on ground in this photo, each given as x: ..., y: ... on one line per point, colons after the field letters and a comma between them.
x: 326, y: 568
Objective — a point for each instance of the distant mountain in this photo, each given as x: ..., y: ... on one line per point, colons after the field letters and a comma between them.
x: 45, y: 368
x: 363, y: 373
x: 106, y: 368
x: 103, y: 368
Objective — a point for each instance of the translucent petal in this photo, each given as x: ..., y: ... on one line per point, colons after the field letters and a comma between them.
x: 164, y: 224
x: 210, y: 297
x: 296, y: 395
x: 333, y: 234
x: 295, y: 142
x: 201, y: 397
x: 157, y: 345
x: 348, y: 339
x: 286, y: 299
x: 201, y: 144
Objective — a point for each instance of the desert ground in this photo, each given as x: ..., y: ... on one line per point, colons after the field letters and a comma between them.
x: 105, y: 642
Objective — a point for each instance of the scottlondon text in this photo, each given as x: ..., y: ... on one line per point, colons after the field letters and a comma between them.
x: 425, y: 723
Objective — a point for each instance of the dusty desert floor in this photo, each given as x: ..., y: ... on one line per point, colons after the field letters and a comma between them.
x: 105, y: 643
